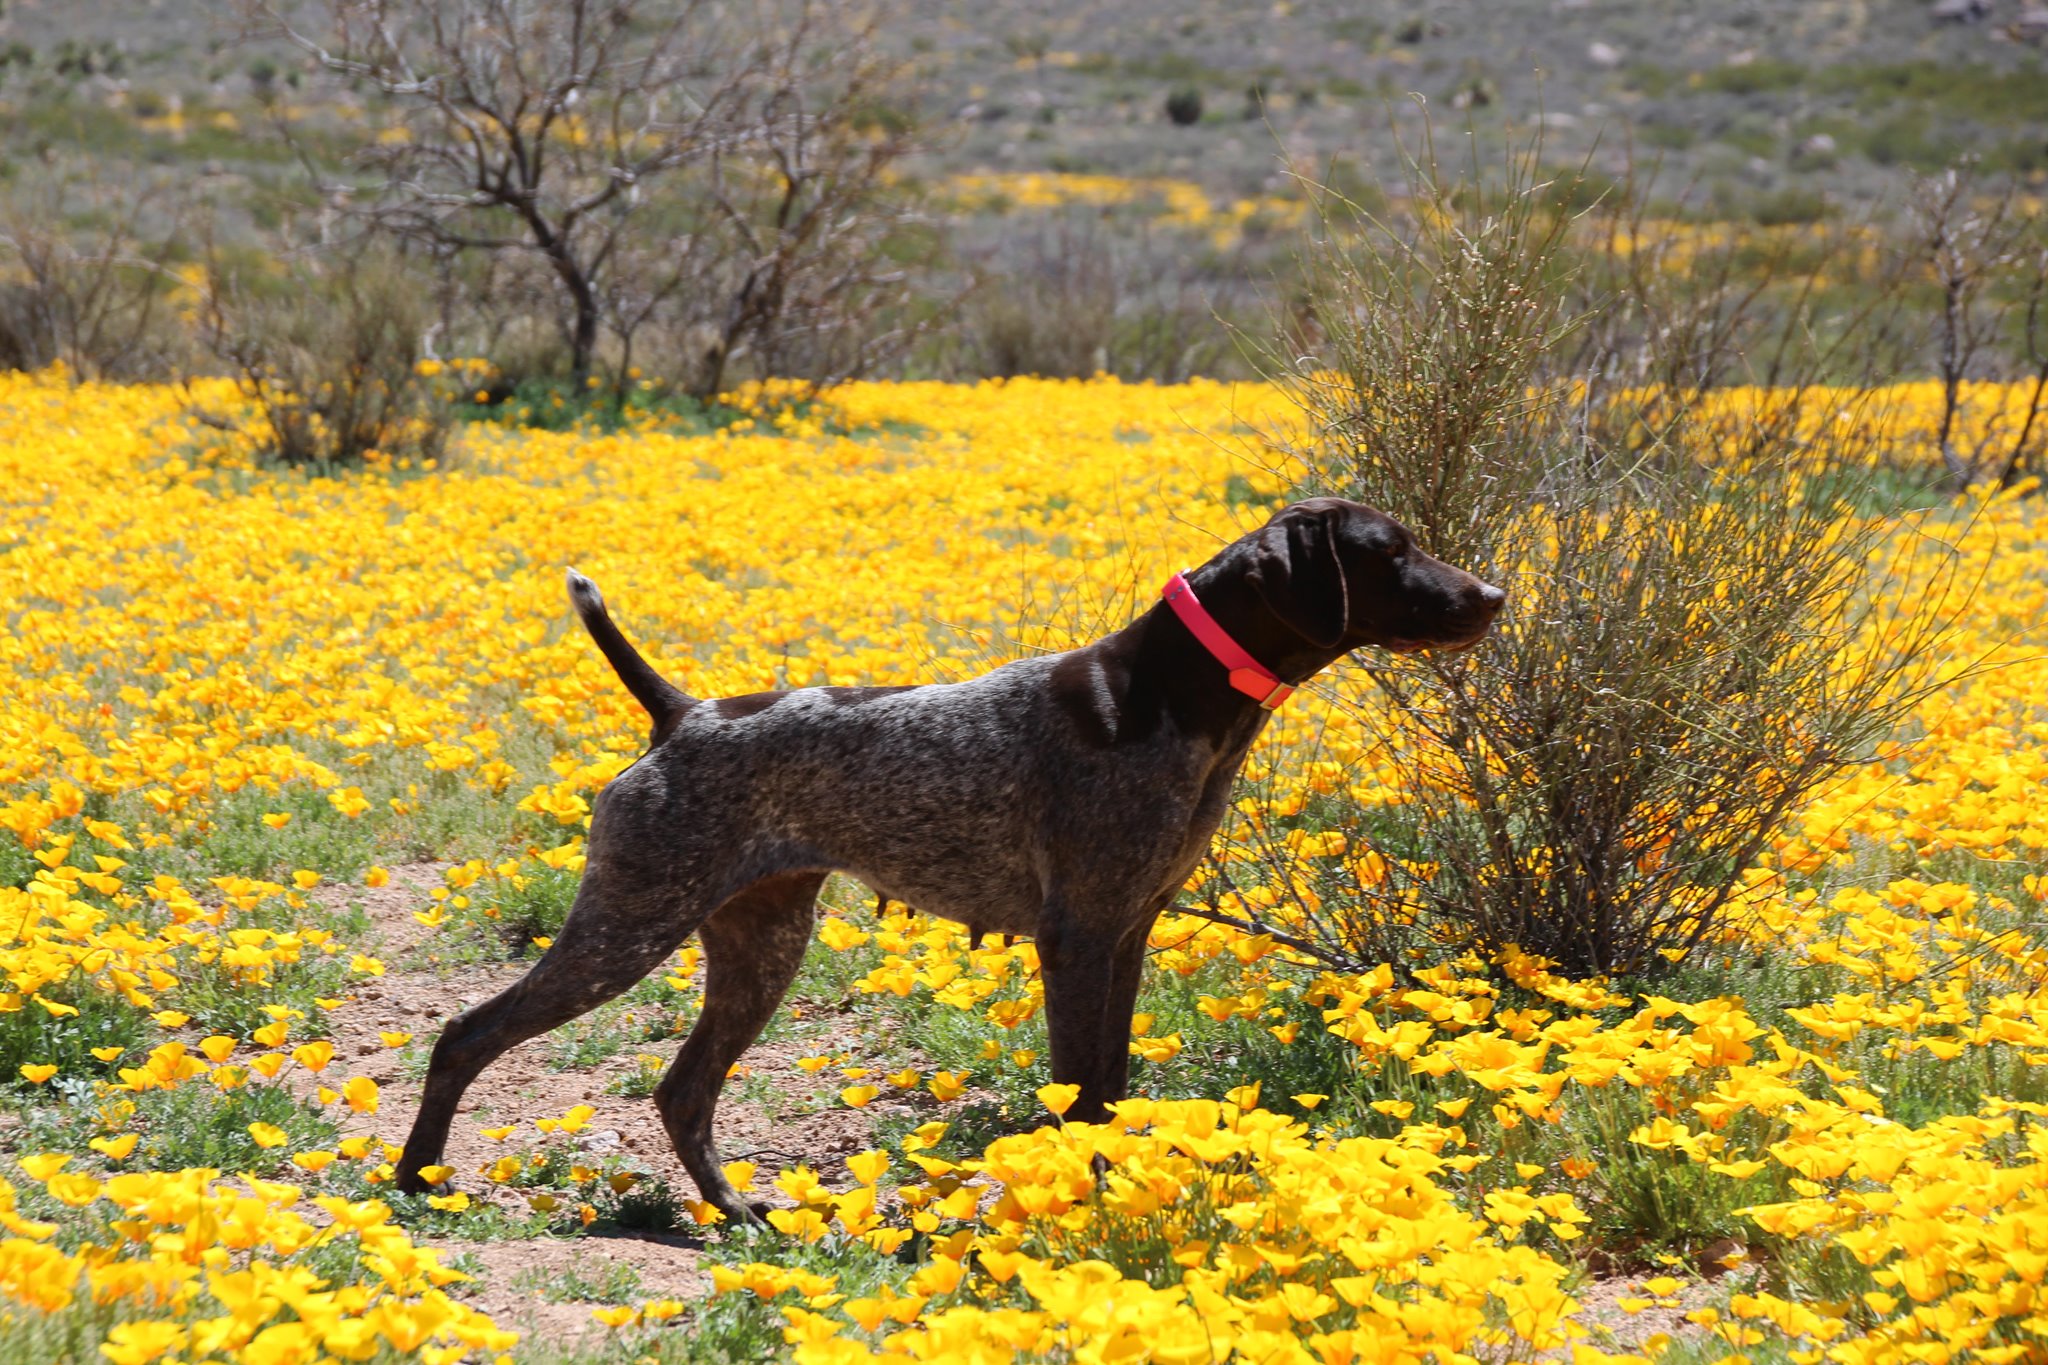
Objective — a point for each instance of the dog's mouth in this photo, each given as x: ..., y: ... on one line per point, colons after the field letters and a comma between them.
x: 1454, y: 644
x: 1451, y: 632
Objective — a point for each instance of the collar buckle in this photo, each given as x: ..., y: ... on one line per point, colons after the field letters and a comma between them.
x: 1261, y: 686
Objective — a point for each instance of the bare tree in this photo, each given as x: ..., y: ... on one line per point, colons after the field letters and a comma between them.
x: 574, y: 130
x: 1977, y: 240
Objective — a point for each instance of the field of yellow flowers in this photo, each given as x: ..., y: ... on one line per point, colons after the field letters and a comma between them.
x: 233, y: 701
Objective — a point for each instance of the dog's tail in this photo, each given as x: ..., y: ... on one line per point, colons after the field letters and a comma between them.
x: 663, y: 700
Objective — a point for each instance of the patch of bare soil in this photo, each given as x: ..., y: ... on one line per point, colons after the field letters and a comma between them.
x: 530, y: 1286
x: 1612, y: 1305
x: 390, y: 906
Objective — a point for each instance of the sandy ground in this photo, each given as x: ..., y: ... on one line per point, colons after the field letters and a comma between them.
x: 1615, y: 1328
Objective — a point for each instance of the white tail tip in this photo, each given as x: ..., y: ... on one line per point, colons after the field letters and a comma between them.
x: 584, y: 594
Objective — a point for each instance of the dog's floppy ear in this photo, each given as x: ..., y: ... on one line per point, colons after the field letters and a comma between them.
x: 1297, y: 573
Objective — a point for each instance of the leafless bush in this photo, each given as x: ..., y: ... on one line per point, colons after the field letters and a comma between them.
x: 326, y: 350
x: 87, y: 281
x: 1052, y: 313
x: 1669, y: 312
x: 2025, y: 452
x: 1689, y: 652
x: 782, y: 260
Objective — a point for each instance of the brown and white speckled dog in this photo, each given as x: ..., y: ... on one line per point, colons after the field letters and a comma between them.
x: 1066, y: 797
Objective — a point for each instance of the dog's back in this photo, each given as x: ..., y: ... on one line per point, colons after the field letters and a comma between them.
x: 930, y: 795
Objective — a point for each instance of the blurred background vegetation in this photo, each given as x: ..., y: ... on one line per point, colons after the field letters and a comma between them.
x: 296, y: 193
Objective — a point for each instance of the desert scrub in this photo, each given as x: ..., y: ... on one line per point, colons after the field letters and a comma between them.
x: 1693, y: 650
x: 325, y: 353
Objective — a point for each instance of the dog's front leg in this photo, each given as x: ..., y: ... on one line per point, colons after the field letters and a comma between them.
x: 1127, y: 972
x: 1092, y: 963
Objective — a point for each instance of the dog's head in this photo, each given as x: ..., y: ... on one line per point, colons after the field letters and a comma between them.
x: 1343, y: 575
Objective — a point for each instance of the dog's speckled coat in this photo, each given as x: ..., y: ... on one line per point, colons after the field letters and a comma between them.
x: 1066, y: 797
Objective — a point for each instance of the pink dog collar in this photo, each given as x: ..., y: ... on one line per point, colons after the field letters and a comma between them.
x: 1247, y: 674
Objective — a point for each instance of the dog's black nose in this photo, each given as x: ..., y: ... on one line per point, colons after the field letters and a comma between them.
x: 1491, y: 595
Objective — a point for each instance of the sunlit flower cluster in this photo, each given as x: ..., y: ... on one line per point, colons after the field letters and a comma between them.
x: 1179, y: 203
x: 195, y: 1268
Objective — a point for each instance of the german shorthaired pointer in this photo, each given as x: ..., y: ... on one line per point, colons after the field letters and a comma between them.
x: 1067, y: 797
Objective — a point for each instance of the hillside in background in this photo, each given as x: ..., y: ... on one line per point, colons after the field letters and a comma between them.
x: 1750, y: 100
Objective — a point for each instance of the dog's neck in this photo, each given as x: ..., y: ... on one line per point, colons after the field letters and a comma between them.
x: 1178, y: 669
x: 1237, y: 607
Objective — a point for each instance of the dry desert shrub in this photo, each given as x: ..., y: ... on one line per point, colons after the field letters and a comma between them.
x: 326, y: 350
x: 1068, y: 300
x: 87, y: 278
x: 1689, y: 652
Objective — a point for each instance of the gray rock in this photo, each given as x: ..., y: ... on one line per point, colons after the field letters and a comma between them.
x: 1959, y: 11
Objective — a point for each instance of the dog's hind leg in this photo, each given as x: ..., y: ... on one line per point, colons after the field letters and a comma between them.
x: 753, y: 947
x: 609, y: 942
